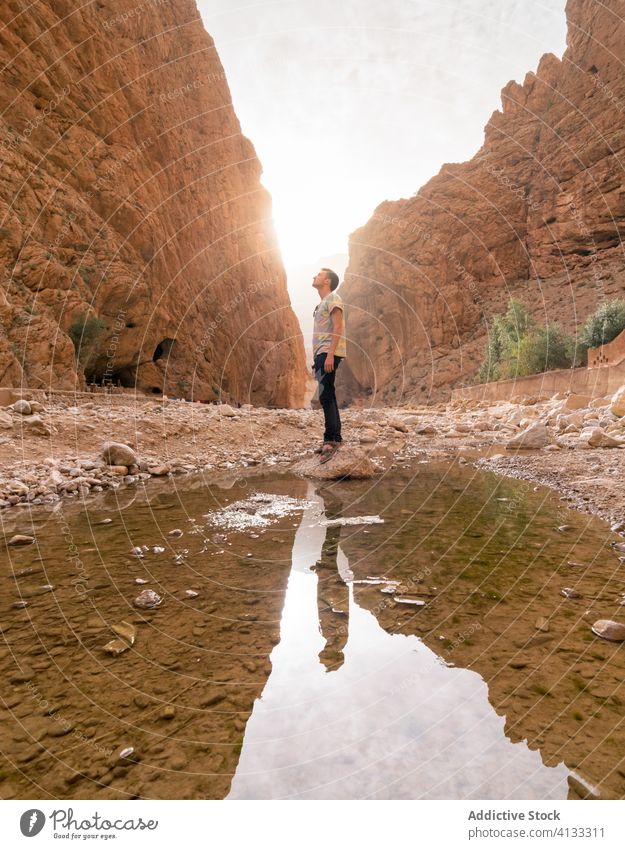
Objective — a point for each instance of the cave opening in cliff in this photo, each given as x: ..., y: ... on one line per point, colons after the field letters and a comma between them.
x: 163, y: 349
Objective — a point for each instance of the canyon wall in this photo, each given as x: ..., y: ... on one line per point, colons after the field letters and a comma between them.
x: 136, y: 242
x: 537, y: 214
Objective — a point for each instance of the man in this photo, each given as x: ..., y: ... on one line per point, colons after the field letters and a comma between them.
x: 328, y: 351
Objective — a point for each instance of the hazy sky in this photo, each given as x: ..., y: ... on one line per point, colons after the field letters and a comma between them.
x: 352, y: 102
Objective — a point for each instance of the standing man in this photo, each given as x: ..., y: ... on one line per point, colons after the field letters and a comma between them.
x: 328, y: 351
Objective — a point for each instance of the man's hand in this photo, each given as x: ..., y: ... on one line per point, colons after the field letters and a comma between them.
x: 329, y: 363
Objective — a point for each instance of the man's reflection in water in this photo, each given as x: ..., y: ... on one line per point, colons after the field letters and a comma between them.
x: 332, y: 591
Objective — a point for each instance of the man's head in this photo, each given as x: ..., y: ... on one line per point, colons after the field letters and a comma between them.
x: 325, y: 281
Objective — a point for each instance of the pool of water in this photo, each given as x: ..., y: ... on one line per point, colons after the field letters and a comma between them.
x: 431, y: 655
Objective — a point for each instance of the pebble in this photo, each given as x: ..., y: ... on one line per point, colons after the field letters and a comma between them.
x: 21, y: 539
x: 147, y: 599
x: 607, y: 629
x: 569, y: 592
x: 175, y: 533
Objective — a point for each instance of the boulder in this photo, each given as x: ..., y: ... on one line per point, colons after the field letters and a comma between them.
x: 596, y: 437
x: 34, y: 425
x: 348, y: 462
x: 22, y: 407
x: 426, y: 430
x: 226, y: 410
x: 617, y: 405
x: 535, y: 436
x: 576, y: 402
x: 118, y: 454
x: 398, y: 424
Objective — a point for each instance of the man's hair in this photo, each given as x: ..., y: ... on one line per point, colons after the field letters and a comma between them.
x: 332, y: 277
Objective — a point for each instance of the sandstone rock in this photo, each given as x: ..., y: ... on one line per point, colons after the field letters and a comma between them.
x: 596, y: 437
x: 139, y: 139
x: 576, y: 402
x: 147, y: 599
x: 398, y: 424
x: 21, y: 539
x: 226, y: 410
x: 159, y: 471
x: 426, y: 430
x: 5, y: 421
x: 617, y: 405
x: 22, y: 407
x: 607, y: 629
x: 348, y: 462
x: 34, y: 425
x: 126, y: 631
x: 535, y: 436
x: 416, y: 261
x: 118, y: 454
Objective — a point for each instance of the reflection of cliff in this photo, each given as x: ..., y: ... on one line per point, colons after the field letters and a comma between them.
x: 181, y: 697
x: 136, y: 242
x: 537, y: 213
x: 489, y: 572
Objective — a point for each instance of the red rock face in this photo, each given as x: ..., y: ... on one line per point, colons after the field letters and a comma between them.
x: 136, y: 239
x: 537, y: 214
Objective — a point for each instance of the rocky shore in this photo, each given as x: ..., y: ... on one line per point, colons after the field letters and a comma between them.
x: 57, y: 449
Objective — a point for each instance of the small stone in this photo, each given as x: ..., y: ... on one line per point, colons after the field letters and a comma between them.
x: 418, y: 602
x: 118, y: 454
x: 533, y: 437
x: 140, y: 581
x: 542, y: 624
x: 22, y: 407
x: 116, y: 647
x: 175, y: 533
x: 21, y: 539
x: 168, y: 712
x: 126, y: 631
x: 158, y: 549
x: 147, y: 599
x: 191, y: 594
x: 569, y: 592
x: 137, y: 551
x: 607, y: 629
x: 226, y: 410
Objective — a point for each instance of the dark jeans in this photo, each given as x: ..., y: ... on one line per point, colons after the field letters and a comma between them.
x: 327, y: 398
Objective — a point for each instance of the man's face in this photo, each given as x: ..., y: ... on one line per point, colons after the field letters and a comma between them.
x: 319, y: 280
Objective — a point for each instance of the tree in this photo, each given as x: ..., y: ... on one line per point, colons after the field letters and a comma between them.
x: 603, y: 325
x: 518, y: 346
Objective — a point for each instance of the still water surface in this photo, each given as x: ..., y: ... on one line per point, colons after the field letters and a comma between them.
x: 430, y: 656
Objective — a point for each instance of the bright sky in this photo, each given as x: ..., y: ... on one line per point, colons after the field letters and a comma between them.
x: 352, y: 102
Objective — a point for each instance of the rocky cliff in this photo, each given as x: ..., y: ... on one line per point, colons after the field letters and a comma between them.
x: 136, y: 242
x: 537, y: 214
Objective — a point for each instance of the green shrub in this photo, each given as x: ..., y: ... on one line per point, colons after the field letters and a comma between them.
x: 518, y: 346
x: 603, y: 325
x: 85, y: 332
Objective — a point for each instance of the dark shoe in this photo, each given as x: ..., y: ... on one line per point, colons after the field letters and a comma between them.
x: 319, y: 450
x: 330, y: 451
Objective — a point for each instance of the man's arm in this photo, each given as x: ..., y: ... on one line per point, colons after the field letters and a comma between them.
x: 337, y: 331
